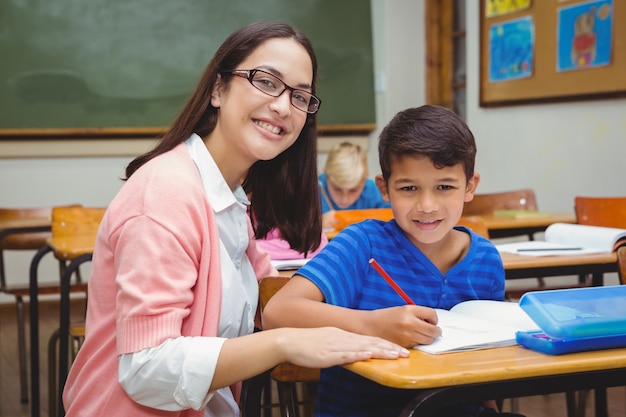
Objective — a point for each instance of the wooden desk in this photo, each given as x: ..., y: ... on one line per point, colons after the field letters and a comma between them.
x: 501, y: 226
x: 520, y: 266
x: 12, y: 227
x: 509, y: 372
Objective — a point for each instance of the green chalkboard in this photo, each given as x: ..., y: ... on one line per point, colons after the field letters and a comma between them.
x: 133, y: 63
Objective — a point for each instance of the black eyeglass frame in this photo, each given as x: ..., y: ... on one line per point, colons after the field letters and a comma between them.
x: 249, y: 75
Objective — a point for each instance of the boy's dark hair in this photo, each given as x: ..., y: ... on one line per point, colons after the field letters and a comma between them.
x: 429, y: 131
x: 295, y: 209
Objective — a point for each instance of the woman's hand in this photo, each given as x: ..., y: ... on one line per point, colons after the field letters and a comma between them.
x: 330, y: 346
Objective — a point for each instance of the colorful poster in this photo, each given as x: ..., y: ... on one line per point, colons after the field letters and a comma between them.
x: 584, y: 35
x: 511, y: 49
x: 500, y: 7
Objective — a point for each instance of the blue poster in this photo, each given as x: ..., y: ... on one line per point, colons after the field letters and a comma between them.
x: 584, y: 35
x: 511, y: 49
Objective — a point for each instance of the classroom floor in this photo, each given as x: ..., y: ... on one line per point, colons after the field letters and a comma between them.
x: 539, y: 406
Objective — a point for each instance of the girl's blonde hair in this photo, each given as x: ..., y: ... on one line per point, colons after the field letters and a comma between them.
x: 346, y: 165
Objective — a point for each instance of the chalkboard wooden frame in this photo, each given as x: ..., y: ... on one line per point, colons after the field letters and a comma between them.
x: 340, y: 32
x: 546, y: 84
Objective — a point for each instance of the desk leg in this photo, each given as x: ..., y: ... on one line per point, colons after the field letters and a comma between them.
x: 34, y: 330
x: 601, y: 402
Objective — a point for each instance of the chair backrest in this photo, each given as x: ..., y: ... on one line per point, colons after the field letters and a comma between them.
x: 24, y: 241
x: 345, y: 218
x: 601, y: 211
x: 476, y: 223
x: 482, y: 204
x: 269, y: 286
x: 74, y: 230
x: 285, y: 372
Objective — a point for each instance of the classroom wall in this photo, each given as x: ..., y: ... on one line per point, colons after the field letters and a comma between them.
x: 560, y: 150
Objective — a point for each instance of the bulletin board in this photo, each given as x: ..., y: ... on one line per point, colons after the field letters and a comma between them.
x: 551, y: 50
x: 119, y: 68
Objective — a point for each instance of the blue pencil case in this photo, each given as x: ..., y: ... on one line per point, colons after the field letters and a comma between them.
x: 575, y: 320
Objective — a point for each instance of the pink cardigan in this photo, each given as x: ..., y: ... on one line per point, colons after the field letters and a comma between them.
x: 159, y: 240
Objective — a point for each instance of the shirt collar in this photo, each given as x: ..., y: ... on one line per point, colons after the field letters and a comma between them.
x: 215, y: 186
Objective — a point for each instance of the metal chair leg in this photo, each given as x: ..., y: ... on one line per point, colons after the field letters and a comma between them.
x: 34, y: 331
x: 52, y: 374
x: 288, y: 399
x: 21, y: 349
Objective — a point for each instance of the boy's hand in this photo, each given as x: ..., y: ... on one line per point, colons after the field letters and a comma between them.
x: 407, y: 325
x: 328, y: 220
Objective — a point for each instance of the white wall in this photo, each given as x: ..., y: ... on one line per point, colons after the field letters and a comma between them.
x: 399, y: 62
x: 560, y: 150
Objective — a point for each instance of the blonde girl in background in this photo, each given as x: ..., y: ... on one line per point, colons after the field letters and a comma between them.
x: 345, y: 185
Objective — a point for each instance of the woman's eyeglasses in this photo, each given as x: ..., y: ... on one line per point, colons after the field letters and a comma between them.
x: 274, y: 86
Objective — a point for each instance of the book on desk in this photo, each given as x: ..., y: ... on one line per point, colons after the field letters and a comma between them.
x: 288, y: 264
x: 478, y: 324
x: 569, y: 239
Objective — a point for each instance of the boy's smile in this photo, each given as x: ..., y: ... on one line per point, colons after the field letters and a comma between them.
x: 427, y: 201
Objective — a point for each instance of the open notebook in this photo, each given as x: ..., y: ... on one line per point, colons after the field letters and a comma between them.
x: 288, y: 264
x: 479, y: 324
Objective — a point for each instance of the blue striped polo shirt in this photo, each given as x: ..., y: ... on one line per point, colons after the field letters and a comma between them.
x: 344, y: 275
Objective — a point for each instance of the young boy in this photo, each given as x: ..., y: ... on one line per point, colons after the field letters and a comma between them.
x: 427, y: 162
x: 345, y: 185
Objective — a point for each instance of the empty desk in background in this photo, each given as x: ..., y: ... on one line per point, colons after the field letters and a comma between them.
x: 509, y: 372
x: 502, y: 226
x: 597, y: 264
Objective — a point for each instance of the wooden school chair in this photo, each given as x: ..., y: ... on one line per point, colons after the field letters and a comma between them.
x: 487, y: 204
x: 287, y: 376
x: 30, y: 231
x: 73, y: 237
x: 345, y: 218
x: 601, y: 211
x: 476, y: 223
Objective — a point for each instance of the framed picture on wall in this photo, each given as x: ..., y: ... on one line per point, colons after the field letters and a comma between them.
x: 549, y: 51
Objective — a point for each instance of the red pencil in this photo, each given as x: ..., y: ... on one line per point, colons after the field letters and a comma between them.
x: 391, y: 282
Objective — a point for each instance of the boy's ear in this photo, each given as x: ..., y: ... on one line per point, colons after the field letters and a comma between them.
x: 216, y: 93
x: 382, y: 187
x: 472, y: 184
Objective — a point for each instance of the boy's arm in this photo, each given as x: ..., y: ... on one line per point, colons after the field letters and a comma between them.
x: 300, y: 303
